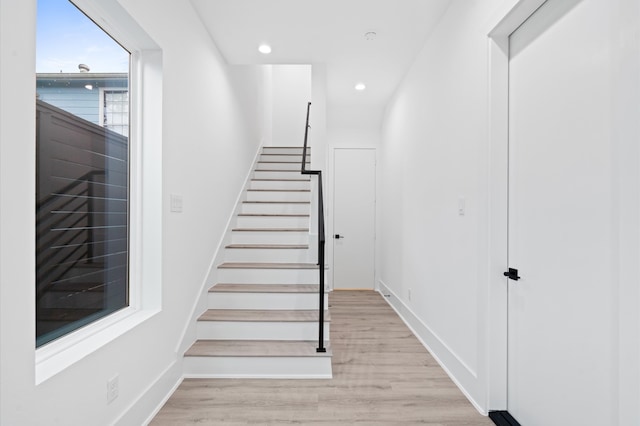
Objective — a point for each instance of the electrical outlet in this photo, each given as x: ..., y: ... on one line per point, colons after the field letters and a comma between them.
x: 112, y: 389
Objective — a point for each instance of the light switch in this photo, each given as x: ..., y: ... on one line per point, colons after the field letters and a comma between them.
x: 462, y: 206
x: 176, y: 203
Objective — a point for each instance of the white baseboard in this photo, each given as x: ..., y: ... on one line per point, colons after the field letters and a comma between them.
x: 462, y: 375
x: 148, y: 404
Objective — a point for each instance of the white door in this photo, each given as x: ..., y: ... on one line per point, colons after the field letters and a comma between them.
x: 561, y: 218
x: 354, y: 218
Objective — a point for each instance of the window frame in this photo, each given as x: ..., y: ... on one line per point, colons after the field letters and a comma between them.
x: 145, y: 196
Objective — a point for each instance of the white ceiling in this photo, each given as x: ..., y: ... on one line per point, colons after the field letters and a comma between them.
x: 329, y: 32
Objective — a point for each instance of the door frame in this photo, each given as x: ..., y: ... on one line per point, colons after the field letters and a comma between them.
x: 332, y: 183
x: 506, y: 22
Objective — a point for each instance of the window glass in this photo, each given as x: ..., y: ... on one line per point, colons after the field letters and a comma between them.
x: 82, y: 192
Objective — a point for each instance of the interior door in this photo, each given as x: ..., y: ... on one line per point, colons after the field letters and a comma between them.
x: 354, y: 218
x: 561, y: 221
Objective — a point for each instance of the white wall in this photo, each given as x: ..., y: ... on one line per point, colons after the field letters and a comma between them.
x: 209, y: 138
x: 291, y: 90
x: 435, y: 149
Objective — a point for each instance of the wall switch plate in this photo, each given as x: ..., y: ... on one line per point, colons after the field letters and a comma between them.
x: 462, y: 206
x: 176, y: 203
x: 409, y: 294
x: 112, y: 389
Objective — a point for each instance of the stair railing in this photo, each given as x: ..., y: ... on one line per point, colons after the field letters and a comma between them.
x: 321, y: 237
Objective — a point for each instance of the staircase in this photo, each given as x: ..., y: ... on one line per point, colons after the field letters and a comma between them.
x: 262, y: 316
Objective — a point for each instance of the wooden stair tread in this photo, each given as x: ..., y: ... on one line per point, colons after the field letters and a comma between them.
x: 265, y: 315
x: 281, y: 162
x: 282, y: 180
x: 256, y: 348
x: 284, y: 153
x: 278, y: 190
x: 271, y: 265
x: 277, y: 202
x: 285, y: 147
x: 271, y: 215
x: 264, y: 288
x: 268, y: 246
x: 270, y: 230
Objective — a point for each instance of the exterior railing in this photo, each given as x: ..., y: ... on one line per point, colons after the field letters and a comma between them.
x: 321, y: 236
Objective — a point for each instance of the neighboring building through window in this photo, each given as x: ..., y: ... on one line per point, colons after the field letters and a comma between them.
x: 82, y: 181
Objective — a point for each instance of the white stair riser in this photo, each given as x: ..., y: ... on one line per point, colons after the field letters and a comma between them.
x: 269, y: 276
x: 276, y: 208
x: 281, y: 255
x: 258, y: 330
x: 286, y: 158
x: 272, y: 165
x: 278, y: 196
x: 264, y: 301
x: 258, y: 367
x: 272, y: 222
x: 260, y: 174
x: 280, y: 184
x: 285, y: 150
x: 249, y: 237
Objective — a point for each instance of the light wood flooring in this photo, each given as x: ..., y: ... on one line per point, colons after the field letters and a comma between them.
x: 382, y: 376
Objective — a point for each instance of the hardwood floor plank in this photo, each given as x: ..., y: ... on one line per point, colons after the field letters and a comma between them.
x: 382, y: 375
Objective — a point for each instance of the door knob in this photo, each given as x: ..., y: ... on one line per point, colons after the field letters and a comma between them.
x: 338, y: 236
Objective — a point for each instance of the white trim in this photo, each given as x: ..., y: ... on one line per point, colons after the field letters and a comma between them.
x: 498, y: 33
x: 454, y: 362
x: 157, y: 393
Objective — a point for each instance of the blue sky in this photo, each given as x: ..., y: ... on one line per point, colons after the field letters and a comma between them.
x: 66, y: 38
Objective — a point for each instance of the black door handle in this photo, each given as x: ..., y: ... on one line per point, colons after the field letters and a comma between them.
x: 338, y: 236
x: 512, y: 274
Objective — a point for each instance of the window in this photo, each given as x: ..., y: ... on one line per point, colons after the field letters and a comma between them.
x: 82, y: 192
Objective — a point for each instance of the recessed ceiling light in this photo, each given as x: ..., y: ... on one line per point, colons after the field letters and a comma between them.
x: 371, y: 35
x: 360, y: 87
x: 265, y: 49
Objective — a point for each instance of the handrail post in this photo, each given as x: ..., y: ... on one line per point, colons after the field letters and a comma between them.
x: 321, y: 236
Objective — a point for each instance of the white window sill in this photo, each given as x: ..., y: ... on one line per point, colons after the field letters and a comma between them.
x: 59, y: 355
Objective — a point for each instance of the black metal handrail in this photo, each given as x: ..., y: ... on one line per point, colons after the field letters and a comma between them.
x: 321, y: 237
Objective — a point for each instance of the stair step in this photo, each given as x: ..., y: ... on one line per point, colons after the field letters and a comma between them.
x: 263, y: 265
x: 281, y: 195
x: 264, y: 288
x: 261, y: 324
x: 270, y: 230
x: 280, y: 183
x: 268, y: 246
x: 284, y: 157
x: 265, y: 296
x: 276, y: 207
x: 281, y: 165
x: 263, y: 315
x: 257, y: 220
x: 256, y: 348
x: 280, y: 253
x: 276, y: 174
x: 254, y: 359
x: 298, y: 236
